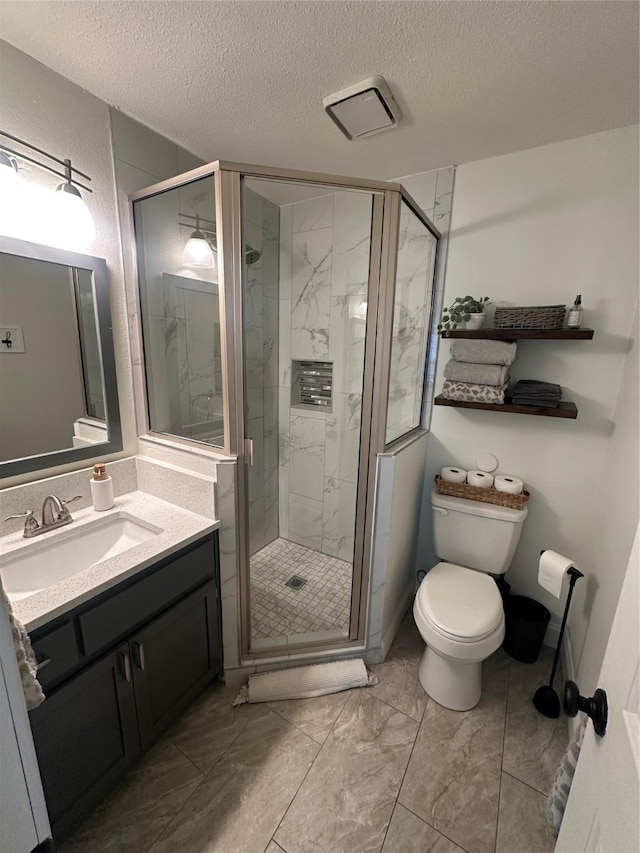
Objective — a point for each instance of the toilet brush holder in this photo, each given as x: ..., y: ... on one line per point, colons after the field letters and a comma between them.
x: 545, y: 699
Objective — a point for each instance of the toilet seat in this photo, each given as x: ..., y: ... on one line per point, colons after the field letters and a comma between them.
x: 459, y: 604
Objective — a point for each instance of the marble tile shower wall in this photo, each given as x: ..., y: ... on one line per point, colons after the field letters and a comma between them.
x: 324, y: 269
x: 262, y: 224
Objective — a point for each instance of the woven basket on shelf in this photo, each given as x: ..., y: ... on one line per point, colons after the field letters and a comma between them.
x: 474, y: 493
x: 530, y: 317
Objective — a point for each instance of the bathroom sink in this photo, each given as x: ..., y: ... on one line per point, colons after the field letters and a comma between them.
x: 41, y: 564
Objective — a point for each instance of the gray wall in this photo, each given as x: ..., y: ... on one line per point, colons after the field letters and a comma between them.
x: 39, y: 404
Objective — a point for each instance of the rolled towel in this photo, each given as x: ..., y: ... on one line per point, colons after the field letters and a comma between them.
x: 483, y: 352
x: 550, y: 395
x: 477, y: 374
x: 469, y: 392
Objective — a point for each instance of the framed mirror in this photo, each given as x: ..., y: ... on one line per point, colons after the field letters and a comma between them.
x: 58, y: 390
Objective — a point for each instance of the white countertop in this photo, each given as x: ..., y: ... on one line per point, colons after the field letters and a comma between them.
x: 179, y: 528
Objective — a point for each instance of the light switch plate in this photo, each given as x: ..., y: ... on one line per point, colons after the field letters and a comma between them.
x: 11, y: 338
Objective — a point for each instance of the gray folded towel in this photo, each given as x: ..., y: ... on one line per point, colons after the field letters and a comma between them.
x: 540, y: 402
x: 535, y: 388
x: 469, y: 392
x: 478, y: 374
x: 483, y: 352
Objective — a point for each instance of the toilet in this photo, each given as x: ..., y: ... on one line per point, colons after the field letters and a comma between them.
x: 458, y: 607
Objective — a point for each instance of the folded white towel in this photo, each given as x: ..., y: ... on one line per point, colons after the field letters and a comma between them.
x: 483, y: 352
x: 478, y: 374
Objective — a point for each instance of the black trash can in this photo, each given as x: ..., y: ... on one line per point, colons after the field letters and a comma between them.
x: 503, y: 588
x: 526, y: 623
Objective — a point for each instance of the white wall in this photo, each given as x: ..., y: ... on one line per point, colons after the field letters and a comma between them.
x: 399, y: 477
x: 538, y: 227
x: 614, y: 520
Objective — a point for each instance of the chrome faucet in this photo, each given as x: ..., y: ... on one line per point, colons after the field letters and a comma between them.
x: 54, y: 514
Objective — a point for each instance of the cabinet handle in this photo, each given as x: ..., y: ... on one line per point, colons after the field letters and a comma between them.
x: 126, y: 666
x: 139, y: 650
x: 42, y: 662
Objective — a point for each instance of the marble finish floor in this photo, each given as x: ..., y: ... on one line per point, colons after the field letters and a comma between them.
x: 375, y: 770
x: 284, y: 615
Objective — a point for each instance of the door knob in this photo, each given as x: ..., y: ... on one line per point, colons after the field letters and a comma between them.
x: 594, y: 707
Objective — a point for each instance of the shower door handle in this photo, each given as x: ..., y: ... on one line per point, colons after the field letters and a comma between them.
x: 248, y: 451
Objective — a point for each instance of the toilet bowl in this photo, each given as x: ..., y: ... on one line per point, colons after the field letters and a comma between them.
x: 459, y: 614
x: 458, y: 607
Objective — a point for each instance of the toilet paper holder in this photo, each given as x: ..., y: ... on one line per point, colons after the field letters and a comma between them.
x: 545, y: 699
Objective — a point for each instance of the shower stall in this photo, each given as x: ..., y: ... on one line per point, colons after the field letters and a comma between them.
x: 286, y: 319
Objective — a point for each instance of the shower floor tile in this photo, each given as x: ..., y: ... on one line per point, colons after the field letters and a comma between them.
x: 322, y: 604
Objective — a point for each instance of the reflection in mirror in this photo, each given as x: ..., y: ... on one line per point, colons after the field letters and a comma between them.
x: 89, y: 348
x: 54, y: 314
x: 180, y: 311
x: 48, y: 372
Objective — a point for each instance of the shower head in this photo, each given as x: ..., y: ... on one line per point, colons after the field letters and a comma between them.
x: 251, y: 256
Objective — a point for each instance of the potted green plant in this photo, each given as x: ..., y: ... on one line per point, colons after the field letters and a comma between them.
x: 467, y: 312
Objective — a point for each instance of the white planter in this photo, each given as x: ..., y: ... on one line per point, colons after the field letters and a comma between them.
x: 475, y: 321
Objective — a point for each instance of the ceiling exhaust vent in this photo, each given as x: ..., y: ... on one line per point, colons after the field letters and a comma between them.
x: 365, y: 108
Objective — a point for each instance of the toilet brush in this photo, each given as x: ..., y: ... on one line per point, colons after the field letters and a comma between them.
x: 545, y: 699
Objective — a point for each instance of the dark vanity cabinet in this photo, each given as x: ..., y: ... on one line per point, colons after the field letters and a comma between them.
x: 117, y: 671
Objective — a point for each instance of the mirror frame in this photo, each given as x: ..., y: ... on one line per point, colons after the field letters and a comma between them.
x: 98, y: 266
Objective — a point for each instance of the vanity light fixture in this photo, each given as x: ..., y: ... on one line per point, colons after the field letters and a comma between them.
x: 71, y: 211
x: 200, y: 249
x: 197, y: 251
x: 69, y: 223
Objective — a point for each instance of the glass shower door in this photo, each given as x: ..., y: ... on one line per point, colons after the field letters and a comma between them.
x: 306, y: 258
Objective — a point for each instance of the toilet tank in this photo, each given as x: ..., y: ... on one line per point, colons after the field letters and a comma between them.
x: 477, y: 535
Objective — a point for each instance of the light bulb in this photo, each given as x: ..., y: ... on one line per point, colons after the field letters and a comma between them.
x: 9, y: 177
x: 13, y: 221
x: 71, y: 224
x: 197, y: 252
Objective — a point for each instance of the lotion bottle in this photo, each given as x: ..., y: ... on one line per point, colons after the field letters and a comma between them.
x: 101, y: 488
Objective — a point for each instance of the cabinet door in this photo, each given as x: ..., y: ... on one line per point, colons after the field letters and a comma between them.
x: 173, y: 658
x: 86, y: 736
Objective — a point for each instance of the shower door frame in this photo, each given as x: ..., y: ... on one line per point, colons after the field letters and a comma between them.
x: 385, y: 221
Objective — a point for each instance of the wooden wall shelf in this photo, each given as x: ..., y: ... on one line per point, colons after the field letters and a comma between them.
x: 564, y: 410
x: 522, y: 334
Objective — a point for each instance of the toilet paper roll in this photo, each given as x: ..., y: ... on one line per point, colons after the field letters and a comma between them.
x: 551, y: 571
x: 507, y: 483
x: 482, y: 479
x: 453, y: 475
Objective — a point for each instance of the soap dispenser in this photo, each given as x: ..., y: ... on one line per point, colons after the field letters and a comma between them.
x: 101, y: 488
x: 574, y: 320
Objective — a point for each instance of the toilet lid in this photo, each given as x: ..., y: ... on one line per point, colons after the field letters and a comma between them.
x: 459, y: 602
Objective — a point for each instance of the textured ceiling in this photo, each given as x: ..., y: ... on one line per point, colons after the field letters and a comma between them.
x: 244, y: 80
